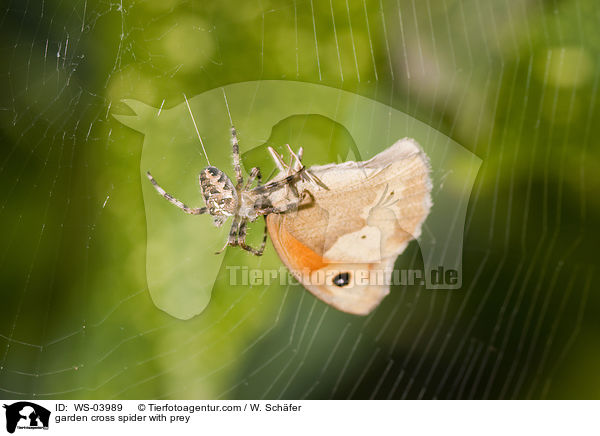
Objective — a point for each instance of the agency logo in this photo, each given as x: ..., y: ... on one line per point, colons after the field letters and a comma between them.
x: 333, y: 126
x: 26, y: 415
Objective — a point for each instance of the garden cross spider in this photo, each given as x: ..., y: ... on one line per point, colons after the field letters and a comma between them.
x: 244, y: 203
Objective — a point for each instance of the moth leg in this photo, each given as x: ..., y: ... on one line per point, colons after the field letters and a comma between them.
x: 174, y: 201
x: 242, y: 240
x: 295, y: 165
x: 233, y: 235
x: 296, y: 158
x: 290, y: 186
x: 236, y: 158
x: 254, y: 174
x: 279, y: 163
x: 315, y: 180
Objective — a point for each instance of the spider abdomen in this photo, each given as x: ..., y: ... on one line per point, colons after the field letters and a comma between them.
x: 218, y: 192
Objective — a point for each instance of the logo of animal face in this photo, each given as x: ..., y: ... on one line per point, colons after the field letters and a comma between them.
x: 181, y: 269
x: 26, y: 415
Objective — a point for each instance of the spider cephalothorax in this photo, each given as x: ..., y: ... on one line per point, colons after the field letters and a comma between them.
x: 243, y: 202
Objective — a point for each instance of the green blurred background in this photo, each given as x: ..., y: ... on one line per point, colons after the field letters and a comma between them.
x: 516, y: 83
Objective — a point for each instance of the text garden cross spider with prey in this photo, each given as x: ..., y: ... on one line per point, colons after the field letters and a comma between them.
x: 243, y: 203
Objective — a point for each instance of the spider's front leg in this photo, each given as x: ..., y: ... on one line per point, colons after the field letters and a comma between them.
x: 242, y: 239
x: 237, y: 167
x: 254, y: 174
x: 289, y: 207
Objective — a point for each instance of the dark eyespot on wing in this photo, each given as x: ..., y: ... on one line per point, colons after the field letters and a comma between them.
x: 342, y: 279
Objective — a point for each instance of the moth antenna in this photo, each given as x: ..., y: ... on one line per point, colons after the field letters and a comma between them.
x: 300, y: 153
x: 196, y: 127
x: 277, y: 159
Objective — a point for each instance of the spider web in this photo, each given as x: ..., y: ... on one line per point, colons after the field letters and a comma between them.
x: 514, y: 83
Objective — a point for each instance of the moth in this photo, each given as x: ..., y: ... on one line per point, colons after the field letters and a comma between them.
x: 343, y: 246
x: 338, y: 228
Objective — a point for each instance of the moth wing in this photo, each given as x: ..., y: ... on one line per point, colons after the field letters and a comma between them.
x: 358, y: 226
x: 318, y: 275
x: 387, y: 198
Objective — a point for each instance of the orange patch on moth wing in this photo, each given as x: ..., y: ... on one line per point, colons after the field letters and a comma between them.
x: 298, y: 254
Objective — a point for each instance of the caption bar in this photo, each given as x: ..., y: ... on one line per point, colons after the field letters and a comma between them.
x: 300, y: 417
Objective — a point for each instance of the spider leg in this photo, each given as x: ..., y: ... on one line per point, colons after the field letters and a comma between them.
x: 236, y: 158
x: 274, y: 186
x: 174, y: 201
x: 242, y: 240
x: 293, y: 205
x: 258, y: 177
x: 233, y: 234
x: 254, y: 174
